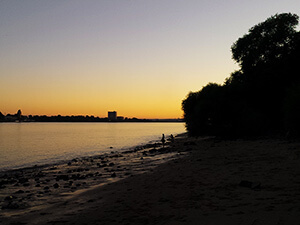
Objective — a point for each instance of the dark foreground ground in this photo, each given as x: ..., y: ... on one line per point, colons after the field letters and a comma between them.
x: 193, y: 181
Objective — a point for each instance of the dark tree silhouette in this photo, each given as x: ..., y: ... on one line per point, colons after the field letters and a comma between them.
x: 19, y: 115
x: 267, y: 41
x: 263, y: 96
x: 2, y: 117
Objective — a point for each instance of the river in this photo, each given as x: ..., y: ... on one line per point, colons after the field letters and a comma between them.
x: 28, y: 144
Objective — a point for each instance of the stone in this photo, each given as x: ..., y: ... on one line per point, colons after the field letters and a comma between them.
x: 9, y: 198
x: 40, y: 174
x: 26, y: 184
x: 23, y: 180
x: 113, y: 175
x: 62, y: 177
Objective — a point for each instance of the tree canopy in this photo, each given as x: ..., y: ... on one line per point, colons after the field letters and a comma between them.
x: 266, y: 41
x: 263, y: 96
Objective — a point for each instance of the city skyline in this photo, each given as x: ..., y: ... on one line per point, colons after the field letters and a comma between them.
x: 111, y: 116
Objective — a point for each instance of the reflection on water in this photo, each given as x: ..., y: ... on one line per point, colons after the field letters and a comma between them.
x: 26, y: 144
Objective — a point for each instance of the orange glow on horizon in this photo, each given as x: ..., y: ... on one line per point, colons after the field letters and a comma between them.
x: 140, y: 59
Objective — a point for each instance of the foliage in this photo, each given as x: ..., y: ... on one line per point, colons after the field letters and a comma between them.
x: 266, y: 42
x: 260, y: 98
x: 1, y: 116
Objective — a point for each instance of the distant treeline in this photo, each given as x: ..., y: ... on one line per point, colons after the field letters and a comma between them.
x: 263, y: 96
x: 18, y: 117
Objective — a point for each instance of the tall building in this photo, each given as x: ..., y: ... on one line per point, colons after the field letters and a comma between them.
x: 112, y: 116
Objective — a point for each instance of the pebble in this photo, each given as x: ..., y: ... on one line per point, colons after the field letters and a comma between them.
x: 113, y: 175
x: 19, y: 192
x: 23, y: 180
x: 62, y: 177
x: 9, y: 198
x: 26, y: 184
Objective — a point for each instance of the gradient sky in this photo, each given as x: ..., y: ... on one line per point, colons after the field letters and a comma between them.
x: 140, y: 58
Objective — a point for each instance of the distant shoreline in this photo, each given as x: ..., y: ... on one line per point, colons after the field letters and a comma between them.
x: 80, y: 119
x: 138, y: 121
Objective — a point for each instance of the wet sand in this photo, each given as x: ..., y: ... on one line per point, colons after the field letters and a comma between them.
x: 193, y: 181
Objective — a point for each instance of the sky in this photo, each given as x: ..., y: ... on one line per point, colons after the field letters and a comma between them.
x: 139, y: 58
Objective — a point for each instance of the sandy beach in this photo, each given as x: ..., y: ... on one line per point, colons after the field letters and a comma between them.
x: 192, y: 181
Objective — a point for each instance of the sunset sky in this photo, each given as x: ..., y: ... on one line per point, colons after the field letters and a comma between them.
x: 140, y: 58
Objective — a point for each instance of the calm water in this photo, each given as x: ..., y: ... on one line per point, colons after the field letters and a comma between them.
x: 27, y: 144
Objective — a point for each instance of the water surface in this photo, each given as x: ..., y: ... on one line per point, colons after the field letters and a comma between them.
x: 27, y: 144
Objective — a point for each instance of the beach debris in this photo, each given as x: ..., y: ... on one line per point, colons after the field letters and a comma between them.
x: 250, y: 184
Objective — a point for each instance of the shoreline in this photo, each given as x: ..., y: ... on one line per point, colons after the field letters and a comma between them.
x: 41, y: 149
x: 25, y: 189
x: 134, y: 148
x: 199, y: 181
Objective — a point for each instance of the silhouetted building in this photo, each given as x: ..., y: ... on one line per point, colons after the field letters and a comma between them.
x: 112, y: 116
x: 120, y: 118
